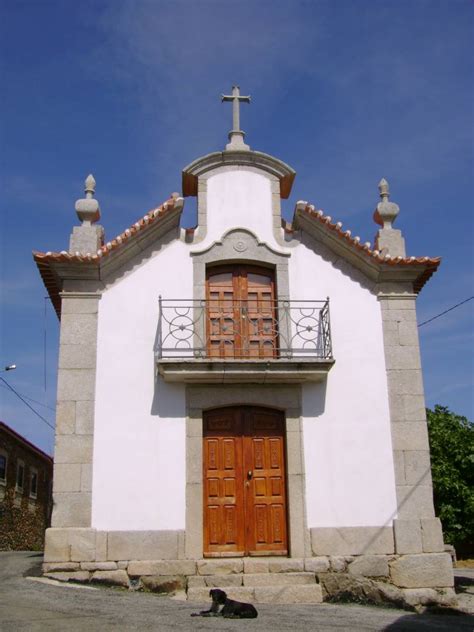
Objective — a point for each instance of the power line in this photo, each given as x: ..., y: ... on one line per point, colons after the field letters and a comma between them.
x: 33, y: 400
x: 26, y: 403
x: 445, y: 311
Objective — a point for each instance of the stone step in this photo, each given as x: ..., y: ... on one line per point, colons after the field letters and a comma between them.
x: 311, y: 593
x: 227, y: 566
x: 279, y: 579
x: 252, y: 579
x: 215, y: 581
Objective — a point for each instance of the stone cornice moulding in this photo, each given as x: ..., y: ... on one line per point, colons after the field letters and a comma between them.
x: 210, y: 162
x: 392, y: 296
x: 88, y: 271
x: 93, y: 295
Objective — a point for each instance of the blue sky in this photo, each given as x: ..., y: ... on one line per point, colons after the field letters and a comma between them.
x: 344, y: 91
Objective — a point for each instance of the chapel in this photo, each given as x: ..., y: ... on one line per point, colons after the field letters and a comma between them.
x: 241, y: 404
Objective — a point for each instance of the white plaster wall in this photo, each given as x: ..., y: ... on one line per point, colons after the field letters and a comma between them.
x: 139, y: 436
x: 240, y: 198
x: 139, y: 448
x: 347, y: 441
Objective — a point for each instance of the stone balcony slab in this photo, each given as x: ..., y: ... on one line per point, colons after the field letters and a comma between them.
x: 245, y: 371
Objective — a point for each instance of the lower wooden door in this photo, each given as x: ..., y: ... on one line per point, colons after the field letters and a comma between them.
x: 245, y: 509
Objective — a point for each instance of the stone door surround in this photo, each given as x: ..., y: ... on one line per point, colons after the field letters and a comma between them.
x: 287, y: 398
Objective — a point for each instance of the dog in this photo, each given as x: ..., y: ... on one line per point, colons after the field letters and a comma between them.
x: 228, y: 608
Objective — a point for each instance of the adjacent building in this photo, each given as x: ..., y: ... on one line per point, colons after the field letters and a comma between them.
x: 26, y: 475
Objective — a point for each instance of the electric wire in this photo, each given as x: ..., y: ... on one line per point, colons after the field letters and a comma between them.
x: 23, y: 398
x: 26, y: 403
x: 35, y: 401
x: 445, y: 311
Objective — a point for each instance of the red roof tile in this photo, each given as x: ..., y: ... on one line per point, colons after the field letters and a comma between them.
x: 138, y: 227
x: 44, y: 259
x: 431, y: 263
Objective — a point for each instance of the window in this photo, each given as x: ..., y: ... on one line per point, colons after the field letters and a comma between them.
x: 33, y: 483
x: 3, y: 468
x: 241, y: 310
x: 20, y: 475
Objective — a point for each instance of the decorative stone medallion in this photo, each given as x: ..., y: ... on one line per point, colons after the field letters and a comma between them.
x: 240, y: 246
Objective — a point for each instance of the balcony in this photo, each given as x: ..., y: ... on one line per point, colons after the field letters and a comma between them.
x: 251, y: 341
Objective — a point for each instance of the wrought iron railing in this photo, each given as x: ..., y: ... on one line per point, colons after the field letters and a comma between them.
x: 250, y: 329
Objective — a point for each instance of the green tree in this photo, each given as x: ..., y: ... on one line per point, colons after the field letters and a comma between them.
x: 452, y: 464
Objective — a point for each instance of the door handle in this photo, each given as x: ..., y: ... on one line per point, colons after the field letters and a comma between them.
x: 249, y: 475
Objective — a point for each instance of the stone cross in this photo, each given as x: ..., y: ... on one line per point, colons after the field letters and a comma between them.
x: 236, y: 135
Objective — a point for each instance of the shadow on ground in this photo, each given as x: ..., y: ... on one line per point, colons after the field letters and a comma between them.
x: 448, y: 619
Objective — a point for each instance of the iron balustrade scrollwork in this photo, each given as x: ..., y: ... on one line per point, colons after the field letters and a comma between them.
x: 250, y: 329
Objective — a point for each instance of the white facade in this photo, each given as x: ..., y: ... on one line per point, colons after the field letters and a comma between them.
x: 316, y: 450
x: 140, y: 437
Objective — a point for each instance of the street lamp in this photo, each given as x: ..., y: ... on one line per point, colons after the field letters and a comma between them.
x: 10, y: 367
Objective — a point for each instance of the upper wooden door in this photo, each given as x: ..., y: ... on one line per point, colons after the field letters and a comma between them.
x: 244, y: 482
x: 241, y: 314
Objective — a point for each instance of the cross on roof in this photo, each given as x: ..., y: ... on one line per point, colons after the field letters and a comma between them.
x: 236, y: 135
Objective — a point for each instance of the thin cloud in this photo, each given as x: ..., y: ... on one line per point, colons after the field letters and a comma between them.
x: 177, y: 57
x: 36, y: 192
x: 175, y: 54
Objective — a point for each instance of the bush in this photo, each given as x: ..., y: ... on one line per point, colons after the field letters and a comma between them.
x: 452, y: 464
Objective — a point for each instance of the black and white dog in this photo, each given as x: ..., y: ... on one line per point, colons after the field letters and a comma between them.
x: 223, y: 607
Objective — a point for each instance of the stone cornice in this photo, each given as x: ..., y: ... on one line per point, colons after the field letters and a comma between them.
x: 257, y: 159
x: 392, y: 296
x: 93, y: 295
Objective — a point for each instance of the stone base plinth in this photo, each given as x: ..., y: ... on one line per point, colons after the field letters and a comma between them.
x: 409, y: 581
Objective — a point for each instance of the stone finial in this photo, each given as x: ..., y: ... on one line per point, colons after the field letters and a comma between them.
x: 88, y: 209
x: 386, y: 212
x: 384, y: 190
x: 87, y: 238
x: 89, y: 186
x: 388, y: 241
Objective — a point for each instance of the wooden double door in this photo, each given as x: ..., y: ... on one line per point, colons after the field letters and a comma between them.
x: 241, y: 312
x: 245, y: 509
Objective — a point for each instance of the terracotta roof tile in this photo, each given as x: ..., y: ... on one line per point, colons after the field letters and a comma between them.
x: 430, y: 264
x: 44, y: 259
x: 366, y: 247
x: 138, y: 227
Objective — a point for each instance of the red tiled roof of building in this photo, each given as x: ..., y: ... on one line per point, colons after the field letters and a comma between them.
x: 28, y: 444
x: 147, y: 220
x: 355, y: 241
x: 44, y: 259
x: 431, y: 263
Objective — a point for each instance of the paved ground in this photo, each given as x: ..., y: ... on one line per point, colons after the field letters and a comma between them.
x: 464, y: 583
x: 34, y: 606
